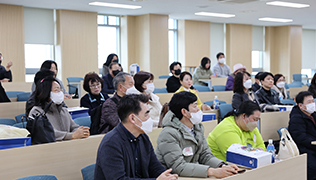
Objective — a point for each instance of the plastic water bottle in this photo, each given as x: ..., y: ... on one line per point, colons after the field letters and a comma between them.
x: 270, y: 149
x: 216, y: 102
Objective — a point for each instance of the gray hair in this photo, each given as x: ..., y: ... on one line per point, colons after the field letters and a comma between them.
x: 119, y: 78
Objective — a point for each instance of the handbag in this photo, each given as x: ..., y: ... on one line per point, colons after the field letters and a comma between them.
x: 287, y: 146
x: 40, y: 128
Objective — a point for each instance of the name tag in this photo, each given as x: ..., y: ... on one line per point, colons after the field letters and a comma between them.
x: 188, y: 151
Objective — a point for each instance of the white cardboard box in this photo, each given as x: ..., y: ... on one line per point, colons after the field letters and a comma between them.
x: 246, y: 156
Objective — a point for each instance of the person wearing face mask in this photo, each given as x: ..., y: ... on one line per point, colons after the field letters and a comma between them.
x: 173, y: 82
x: 181, y: 145
x: 203, y: 72
x: 231, y: 78
x: 93, y: 84
x: 221, y: 69
x: 126, y: 152
x: 5, y: 72
x: 109, y: 117
x: 302, y: 128
x: 265, y: 94
x: 144, y: 83
x: 279, y: 86
x: 114, y: 69
x: 48, y: 89
x: 242, y: 90
x: 239, y: 126
x: 111, y: 58
x: 256, y: 86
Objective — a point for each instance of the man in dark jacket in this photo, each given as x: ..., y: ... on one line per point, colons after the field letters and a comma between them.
x: 114, y: 69
x: 126, y: 152
x: 302, y: 128
x: 173, y: 82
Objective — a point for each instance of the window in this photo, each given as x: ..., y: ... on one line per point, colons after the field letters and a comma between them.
x: 108, y: 38
x: 173, y: 40
x: 256, y: 57
x: 35, y: 55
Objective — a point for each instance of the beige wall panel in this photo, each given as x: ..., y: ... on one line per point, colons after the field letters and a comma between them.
x: 77, y: 39
x: 181, y: 42
x: 295, y: 50
x: 142, y: 43
x: 12, y: 39
x: 239, y: 45
x: 127, y: 41
x: 269, y: 48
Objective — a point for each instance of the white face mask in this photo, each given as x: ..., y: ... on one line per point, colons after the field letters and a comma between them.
x: 248, y: 84
x: 250, y: 125
x: 310, y: 108
x: 150, y: 88
x: 132, y: 90
x: 280, y: 84
x: 57, y: 98
x: 222, y: 60
x: 147, y: 126
x: 197, y: 117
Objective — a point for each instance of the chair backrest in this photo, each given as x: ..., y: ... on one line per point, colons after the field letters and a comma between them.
x: 163, y: 77
x: 7, y: 121
x: 39, y: 177
x: 13, y: 94
x: 297, y: 77
x: 74, y: 79
x: 288, y: 101
x: 18, y: 118
x: 72, y: 89
x: 210, y: 103
x: 218, y: 88
x: 279, y: 131
x: 201, y: 88
x: 23, y: 96
x: 88, y: 172
x: 295, y: 84
x: 224, y: 109
x: 20, y: 125
x: 160, y: 90
x: 83, y: 121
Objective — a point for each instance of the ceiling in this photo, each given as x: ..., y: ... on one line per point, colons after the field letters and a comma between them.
x: 246, y: 13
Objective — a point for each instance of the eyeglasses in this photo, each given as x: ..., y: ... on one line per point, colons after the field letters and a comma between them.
x: 95, y: 85
x: 56, y: 89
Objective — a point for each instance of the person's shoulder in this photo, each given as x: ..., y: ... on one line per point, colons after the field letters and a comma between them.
x: 85, y: 97
x: 35, y: 110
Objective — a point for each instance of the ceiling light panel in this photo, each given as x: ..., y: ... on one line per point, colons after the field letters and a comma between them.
x: 215, y: 14
x: 287, y: 4
x: 125, y: 6
x: 275, y: 19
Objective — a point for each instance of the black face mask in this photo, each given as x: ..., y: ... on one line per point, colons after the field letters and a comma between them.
x: 177, y: 72
x: 116, y: 61
x: 116, y: 72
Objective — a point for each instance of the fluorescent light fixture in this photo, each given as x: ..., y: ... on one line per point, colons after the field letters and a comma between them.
x: 215, y: 14
x: 125, y: 6
x: 275, y: 19
x: 287, y: 4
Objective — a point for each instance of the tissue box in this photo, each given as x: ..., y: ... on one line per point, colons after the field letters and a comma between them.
x: 209, y: 116
x: 246, y: 156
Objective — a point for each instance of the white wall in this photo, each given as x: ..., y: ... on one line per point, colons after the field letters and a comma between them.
x: 309, y: 49
x: 217, y: 41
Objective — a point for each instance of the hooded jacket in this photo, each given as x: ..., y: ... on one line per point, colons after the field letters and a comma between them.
x: 175, y: 140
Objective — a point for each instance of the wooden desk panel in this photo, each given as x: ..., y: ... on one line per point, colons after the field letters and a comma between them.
x: 11, y: 109
x: 270, y: 122
x: 226, y: 96
x: 160, y: 83
x: 295, y: 91
x: 17, y: 86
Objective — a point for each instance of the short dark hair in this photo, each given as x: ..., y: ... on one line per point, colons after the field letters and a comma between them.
x: 219, y: 54
x: 42, y: 91
x: 239, y: 82
x: 172, y: 65
x: 93, y: 77
x: 204, y: 61
x: 299, y: 98
x: 109, y: 59
x: 314, y: 80
x: 183, y: 74
x: 264, y: 75
x: 247, y: 107
x: 48, y: 64
x: 41, y: 74
x: 181, y: 100
x: 257, y: 76
x: 277, y: 77
x: 113, y: 63
x: 130, y: 104
x: 140, y: 78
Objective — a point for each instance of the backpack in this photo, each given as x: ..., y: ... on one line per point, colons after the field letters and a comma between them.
x: 164, y: 110
x: 40, y: 128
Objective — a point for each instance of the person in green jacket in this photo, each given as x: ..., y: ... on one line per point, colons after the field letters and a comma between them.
x: 239, y: 126
x: 181, y: 145
x: 203, y: 72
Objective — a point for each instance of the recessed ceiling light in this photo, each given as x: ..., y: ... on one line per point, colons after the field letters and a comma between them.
x: 275, y: 19
x: 287, y: 4
x: 125, y: 6
x: 215, y: 14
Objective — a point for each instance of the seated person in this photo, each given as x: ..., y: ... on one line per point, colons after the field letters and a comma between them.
x: 239, y: 126
x: 111, y: 58
x: 48, y: 89
x: 242, y: 90
x: 203, y: 72
x: 144, y: 83
x: 312, y: 86
x: 5, y: 72
x: 230, y: 80
x: 221, y: 69
x: 3, y: 95
x: 126, y: 152
x: 93, y: 84
x: 181, y: 145
x: 114, y: 69
x: 256, y: 86
x: 265, y: 94
x: 109, y: 117
x: 186, y: 83
x: 302, y: 128
x: 279, y: 86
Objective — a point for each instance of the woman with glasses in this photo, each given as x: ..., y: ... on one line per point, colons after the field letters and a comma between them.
x: 93, y: 84
x: 49, y: 89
